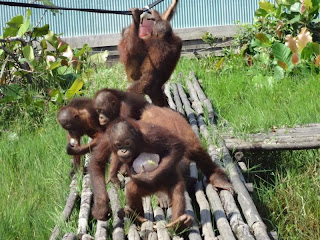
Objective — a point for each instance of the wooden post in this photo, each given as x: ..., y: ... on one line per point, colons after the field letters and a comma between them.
x: 133, y: 233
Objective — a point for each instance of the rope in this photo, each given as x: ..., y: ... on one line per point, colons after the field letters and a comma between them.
x: 32, y: 5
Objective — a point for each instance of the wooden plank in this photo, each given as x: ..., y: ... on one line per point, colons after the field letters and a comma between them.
x: 113, y: 39
x: 272, y: 147
x: 117, y: 223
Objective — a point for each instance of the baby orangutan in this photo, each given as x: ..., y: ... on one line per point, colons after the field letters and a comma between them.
x: 130, y: 138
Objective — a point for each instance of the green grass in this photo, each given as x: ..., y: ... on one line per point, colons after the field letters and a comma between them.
x: 34, y: 166
x: 34, y: 182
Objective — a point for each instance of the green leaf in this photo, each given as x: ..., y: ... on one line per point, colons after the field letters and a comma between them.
x: 84, y: 49
x: 10, y: 32
x: 278, y: 73
x: 267, y: 6
x: 316, y: 20
x: 76, y: 86
x: 296, y: 7
x: 307, y: 52
x: 316, y: 48
x: 11, y: 92
x: 260, y: 13
x: 1, y: 52
x: 28, y: 13
x: 15, y: 21
x: 264, y: 38
x: 99, y: 57
x: 52, y: 39
x: 282, y: 53
x: 56, y: 95
x: 43, y: 44
x: 39, y: 32
x: 295, y: 19
x: 24, y: 28
x: 28, y: 53
x: 54, y: 65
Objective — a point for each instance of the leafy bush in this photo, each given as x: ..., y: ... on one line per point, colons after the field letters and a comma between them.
x: 37, y: 67
x: 283, y: 36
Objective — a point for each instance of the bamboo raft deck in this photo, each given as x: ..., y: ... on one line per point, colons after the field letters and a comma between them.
x: 219, y: 215
x: 296, y: 138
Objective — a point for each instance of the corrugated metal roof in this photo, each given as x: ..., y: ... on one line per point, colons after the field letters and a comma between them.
x: 190, y: 13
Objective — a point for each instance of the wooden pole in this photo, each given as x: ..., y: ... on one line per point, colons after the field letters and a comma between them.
x: 169, y: 97
x: 133, y: 233
x: 238, y: 226
x: 162, y: 231
x: 193, y: 232
x: 147, y: 231
x: 218, y: 212
x: 177, y: 99
x: 205, y: 214
x: 118, y: 231
x: 86, y: 197
x: 102, y: 231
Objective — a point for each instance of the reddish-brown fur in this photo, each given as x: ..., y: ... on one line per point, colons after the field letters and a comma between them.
x: 135, y: 137
x: 79, y: 118
x: 171, y: 122
x: 150, y: 61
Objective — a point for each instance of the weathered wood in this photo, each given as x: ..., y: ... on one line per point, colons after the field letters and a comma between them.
x: 147, y: 208
x: 169, y: 97
x: 86, y: 197
x: 177, y: 99
x: 196, y: 104
x: 274, y: 146
x: 162, y: 232
x: 243, y: 166
x: 133, y: 233
x: 205, y: 101
x: 118, y: 223
x: 68, y: 208
x: 69, y: 236
x: 238, y: 226
x: 193, y: 232
x: 101, y: 232
x: 185, y: 34
x: 86, y: 237
x: 218, y: 212
x: 247, y: 205
x: 147, y: 231
x: 205, y: 215
x: 190, y: 115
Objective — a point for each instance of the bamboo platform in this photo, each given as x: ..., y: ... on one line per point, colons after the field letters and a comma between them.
x: 218, y: 215
x: 296, y: 138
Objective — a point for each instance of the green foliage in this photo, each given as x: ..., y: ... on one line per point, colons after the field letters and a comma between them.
x: 37, y: 66
x: 283, y: 35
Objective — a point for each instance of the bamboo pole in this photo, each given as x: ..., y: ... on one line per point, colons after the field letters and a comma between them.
x: 218, y: 212
x: 238, y: 226
x: 68, y: 208
x: 193, y: 232
x: 86, y: 237
x: 273, y: 147
x: 191, y: 116
x: 177, y: 99
x: 118, y: 231
x: 247, y: 205
x: 86, y: 197
x: 147, y: 231
x: 69, y: 236
x: 205, y: 215
x: 133, y: 233
x: 101, y: 232
x: 169, y: 97
x: 162, y: 231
